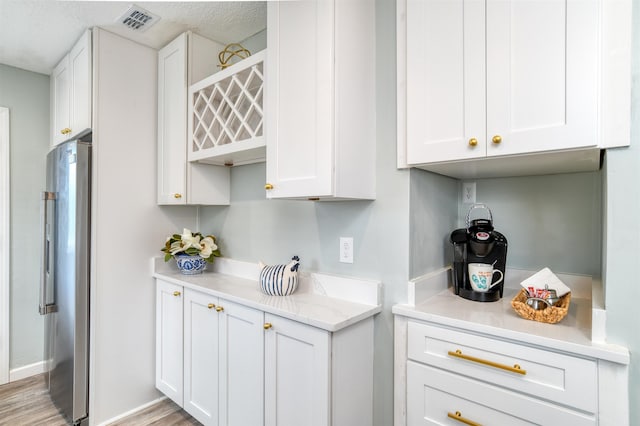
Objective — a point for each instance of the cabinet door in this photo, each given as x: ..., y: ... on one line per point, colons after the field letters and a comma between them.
x: 297, y: 369
x: 172, y: 122
x: 201, y: 356
x: 60, y: 88
x: 445, y: 80
x: 300, y: 98
x: 181, y: 182
x: 241, y: 381
x: 80, y: 66
x: 542, y: 75
x: 169, y: 340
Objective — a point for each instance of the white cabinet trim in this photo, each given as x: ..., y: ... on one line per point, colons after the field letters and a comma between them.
x: 5, y: 253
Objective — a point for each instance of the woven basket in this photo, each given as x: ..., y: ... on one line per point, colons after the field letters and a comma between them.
x: 550, y: 315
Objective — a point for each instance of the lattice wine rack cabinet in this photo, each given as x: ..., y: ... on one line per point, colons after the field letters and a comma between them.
x: 226, y: 117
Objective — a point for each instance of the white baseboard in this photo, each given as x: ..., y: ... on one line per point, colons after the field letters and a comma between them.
x: 130, y: 412
x: 26, y: 371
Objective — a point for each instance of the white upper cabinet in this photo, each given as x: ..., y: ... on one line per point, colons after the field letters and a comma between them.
x: 71, y: 92
x: 226, y: 123
x: 320, y: 99
x: 479, y: 79
x: 60, y: 83
x: 186, y: 59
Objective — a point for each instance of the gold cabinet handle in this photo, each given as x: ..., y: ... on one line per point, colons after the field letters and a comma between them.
x: 268, y: 186
x: 211, y: 306
x: 496, y: 139
x: 219, y: 309
x: 177, y: 195
x: 515, y: 369
x: 473, y: 142
x: 267, y: 325
x: 176, y: 293
x: 65, y: 131
x: 458, y: 416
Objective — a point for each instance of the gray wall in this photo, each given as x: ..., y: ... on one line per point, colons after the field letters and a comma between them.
x: 433, y: 214
x: 254, y: 228
x: 26, y: 94
x: 552, y: 221
x: 623, y: 234
x: 256, y: 42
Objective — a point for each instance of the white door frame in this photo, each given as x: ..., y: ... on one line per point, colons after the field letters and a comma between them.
x: 5, y: 242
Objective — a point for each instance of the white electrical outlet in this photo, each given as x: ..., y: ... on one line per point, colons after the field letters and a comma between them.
x: 346, y: 249
x: 468, y: 192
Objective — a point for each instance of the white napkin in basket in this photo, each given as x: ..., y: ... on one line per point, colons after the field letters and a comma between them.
x: 546, y: 277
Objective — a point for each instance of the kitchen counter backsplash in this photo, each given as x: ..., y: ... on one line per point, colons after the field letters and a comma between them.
x: 325, y: 301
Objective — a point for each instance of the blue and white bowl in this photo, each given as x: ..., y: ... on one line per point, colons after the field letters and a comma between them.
x: 190, y: 265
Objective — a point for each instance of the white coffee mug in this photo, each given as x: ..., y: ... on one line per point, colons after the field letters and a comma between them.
x: 481, y: 276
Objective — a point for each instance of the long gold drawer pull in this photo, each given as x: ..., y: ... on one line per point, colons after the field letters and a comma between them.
x: 515, y: 369
x: 458, y: 416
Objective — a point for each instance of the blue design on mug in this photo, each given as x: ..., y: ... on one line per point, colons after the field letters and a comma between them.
x: 481, y: 282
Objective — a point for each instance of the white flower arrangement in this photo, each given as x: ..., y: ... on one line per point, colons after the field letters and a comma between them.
x: 191, y: 243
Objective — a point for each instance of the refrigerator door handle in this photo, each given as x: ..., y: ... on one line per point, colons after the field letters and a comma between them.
x: 46, y: 266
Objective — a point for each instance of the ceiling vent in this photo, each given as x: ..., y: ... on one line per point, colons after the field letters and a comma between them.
x: 138, y: 19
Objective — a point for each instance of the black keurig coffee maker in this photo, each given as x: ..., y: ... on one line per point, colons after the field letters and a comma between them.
x: 479, y: 257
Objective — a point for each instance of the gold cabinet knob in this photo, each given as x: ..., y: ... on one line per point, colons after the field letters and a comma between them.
x: 176, y: 293
x: 65, y: 131
x: 219, y: 309
x: 211, y: 306
x: 268, y: 186
x: 496, y: 139
x: 473, y: 142
x: 177, y: 195
x: 267, y: 325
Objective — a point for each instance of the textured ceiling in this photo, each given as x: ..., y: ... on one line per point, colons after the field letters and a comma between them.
x: 36, y: 34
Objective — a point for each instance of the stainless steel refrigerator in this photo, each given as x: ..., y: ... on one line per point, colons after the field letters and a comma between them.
x: 64, y: 287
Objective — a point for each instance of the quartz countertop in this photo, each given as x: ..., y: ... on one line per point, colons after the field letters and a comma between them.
x: 573, y: 334
x: 324, y: 301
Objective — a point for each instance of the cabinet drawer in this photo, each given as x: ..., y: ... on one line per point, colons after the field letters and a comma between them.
x: 433, y: 394
x: 560, y: 378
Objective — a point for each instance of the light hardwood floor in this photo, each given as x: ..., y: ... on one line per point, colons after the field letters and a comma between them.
x: 26, y: 403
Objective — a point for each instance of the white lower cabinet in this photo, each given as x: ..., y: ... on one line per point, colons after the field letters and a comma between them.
x: 456, y: 377
x: 318, y: 378
x: 437, y: 397
x: 223, y: 361
x: 169, y: 333
x: 201, y: 335
x: 241, y: 366
x: 297, y: 365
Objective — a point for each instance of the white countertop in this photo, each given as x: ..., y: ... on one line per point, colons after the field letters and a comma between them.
x: 498, y: 319
x: 324, y: 301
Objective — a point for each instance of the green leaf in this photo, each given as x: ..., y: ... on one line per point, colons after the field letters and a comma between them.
x: 167, y: 257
